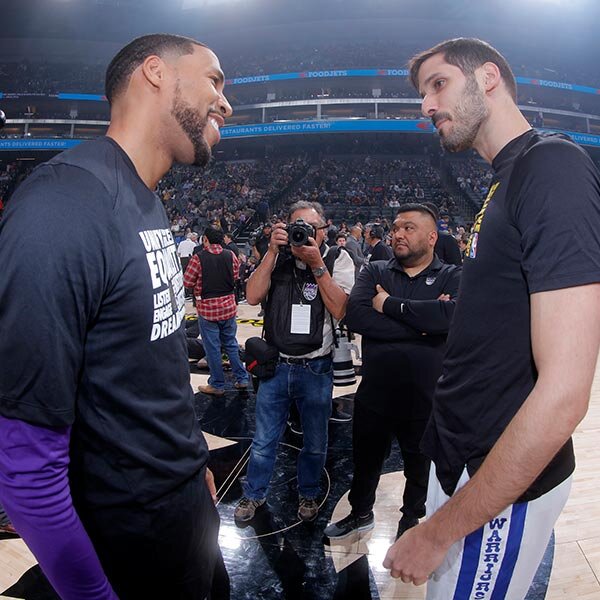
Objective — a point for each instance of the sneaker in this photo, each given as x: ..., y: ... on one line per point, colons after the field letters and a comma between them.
x: 210, y: 390
x: 308, y: 509
x: 349, y: 525
x: 295, y: 427
x: 242, y: 385
x: 8, y: 528
x: 405, y: 524
x: 246, y: 508
x: 339, y: 416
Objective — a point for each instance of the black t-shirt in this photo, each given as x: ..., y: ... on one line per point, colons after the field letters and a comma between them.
x: 380, y: 252
x: 91, y: 306
x: 538, y: 230
x: 233, y: 247
x: 447, y: 249
x: 262, y: 244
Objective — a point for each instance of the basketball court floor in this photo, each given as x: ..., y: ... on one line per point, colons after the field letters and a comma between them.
x: 276, y: 556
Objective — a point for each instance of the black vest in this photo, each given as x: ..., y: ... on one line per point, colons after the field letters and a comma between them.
x: 291, y: 285
x: 217, y: 274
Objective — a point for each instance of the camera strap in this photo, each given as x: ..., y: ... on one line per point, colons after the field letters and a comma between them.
x: 336, y: 339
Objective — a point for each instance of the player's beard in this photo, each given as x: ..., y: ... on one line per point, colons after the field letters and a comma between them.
x: 193, y: 125
x: 469, y: 114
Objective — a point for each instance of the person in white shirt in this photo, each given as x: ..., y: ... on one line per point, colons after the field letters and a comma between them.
x: 185, y: 251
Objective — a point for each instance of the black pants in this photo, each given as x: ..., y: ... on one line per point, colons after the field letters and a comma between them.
x: 372, y: 435
x: 166, y: 550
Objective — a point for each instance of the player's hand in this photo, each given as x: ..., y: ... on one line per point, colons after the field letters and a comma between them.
x: 379, y: 298
x: 310, y: 255
x: 415, y: 556
x: 210, y: 482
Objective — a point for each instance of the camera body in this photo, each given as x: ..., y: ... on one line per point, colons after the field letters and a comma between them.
x: 299, y: 232
x: 254, y: 235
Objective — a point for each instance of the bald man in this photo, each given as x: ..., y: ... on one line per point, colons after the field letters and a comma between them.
x: 100, y: 417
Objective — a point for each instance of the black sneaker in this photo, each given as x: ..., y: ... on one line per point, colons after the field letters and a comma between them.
x: 246, y: 508
x: 7, y: 527
x: 339, y: 416
x: 308, y: 509
x: 405, y: 524
x: 350, y: 524
x: 295, y: 427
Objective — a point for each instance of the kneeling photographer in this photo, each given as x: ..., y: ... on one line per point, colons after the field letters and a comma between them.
x: 306, y: 285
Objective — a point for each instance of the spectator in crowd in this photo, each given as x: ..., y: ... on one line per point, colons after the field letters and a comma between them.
x: 262, y: 210
x: 374, y: 234
x: 463, y: 244
x: 446, y: 247
x: 231, y: 245
x: 186, y: 248
x: 246, y: 270
x: 261, y: 245
x: 354, y: 247
x: 340, y: 239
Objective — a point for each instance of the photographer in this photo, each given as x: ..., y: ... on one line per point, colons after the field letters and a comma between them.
x: 262, y: 241
x: 402, y: 308
x: 305, y: 284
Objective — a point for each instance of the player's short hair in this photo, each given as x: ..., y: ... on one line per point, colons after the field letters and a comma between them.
x: 467, y: 54
x: 129, y: 58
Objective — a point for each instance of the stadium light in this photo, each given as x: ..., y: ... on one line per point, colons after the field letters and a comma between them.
x: 565, y: 3
x: 205, y: 3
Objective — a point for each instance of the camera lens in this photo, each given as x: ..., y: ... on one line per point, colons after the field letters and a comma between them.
x: 298, y: 237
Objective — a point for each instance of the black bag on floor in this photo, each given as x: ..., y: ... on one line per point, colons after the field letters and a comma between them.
x: 195, y: 348
x: 260, y: 359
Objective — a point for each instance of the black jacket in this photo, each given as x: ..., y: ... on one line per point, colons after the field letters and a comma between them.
x: 447, y: 250
x: 380, y: 252
x: 403, y: 347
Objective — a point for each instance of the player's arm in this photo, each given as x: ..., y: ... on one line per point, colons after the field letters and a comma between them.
x: 565, y: 332
x: 35, y: 493
x: 61, y: 251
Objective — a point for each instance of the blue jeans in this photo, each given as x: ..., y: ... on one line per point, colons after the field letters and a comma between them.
x: 310, y: 386
x: 217, y: 334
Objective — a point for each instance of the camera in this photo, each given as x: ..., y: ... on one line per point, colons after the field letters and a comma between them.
x: 343, y: 367
x: 299, y: 232
x: 254, y: 235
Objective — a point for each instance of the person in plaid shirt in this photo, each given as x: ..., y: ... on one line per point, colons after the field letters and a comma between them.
x: 212, y: 274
